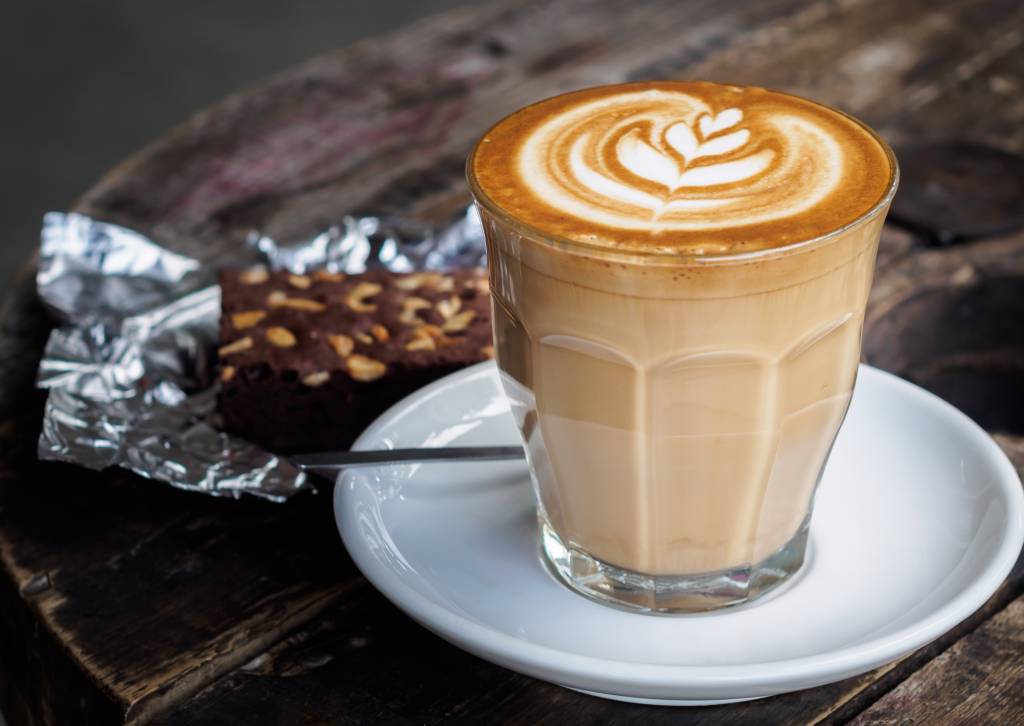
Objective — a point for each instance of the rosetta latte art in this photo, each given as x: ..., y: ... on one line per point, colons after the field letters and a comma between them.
x: 669, y: 161
x: 711, y: 166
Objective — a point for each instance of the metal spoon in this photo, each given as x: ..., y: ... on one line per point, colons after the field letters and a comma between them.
x: 333, y: 461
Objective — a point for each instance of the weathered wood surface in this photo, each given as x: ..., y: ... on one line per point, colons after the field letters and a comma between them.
x: 978, y: 680
x: 123, y: 600
x: 354, y: 665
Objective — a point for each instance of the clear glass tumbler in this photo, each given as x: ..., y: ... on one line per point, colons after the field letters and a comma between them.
x: 677, y: 411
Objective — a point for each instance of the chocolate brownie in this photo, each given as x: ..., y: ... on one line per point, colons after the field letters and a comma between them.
x: 308, y: 361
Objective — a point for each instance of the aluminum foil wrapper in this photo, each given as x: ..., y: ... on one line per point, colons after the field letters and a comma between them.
x: 130, y: 369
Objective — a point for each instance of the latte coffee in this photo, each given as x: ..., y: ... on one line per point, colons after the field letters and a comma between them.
x: 679, y: 273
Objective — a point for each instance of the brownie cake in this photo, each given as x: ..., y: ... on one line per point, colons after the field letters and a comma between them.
x: 308, y: 361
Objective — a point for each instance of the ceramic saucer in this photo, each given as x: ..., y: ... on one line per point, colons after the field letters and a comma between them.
x: 917, y: 521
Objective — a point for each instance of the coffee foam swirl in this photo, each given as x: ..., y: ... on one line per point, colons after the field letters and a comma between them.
x: 701, y: 165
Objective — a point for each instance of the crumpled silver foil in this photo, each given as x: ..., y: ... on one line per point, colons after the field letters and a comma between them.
x: 130, y: 369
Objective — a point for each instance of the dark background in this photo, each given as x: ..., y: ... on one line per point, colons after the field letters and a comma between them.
x: 87, y: 83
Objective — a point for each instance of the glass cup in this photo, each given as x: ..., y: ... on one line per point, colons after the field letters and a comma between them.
x: 677, y: 411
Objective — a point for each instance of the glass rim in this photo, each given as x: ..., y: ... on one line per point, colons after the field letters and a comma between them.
x: 481, y: 198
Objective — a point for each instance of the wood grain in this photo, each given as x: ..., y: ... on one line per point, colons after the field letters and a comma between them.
x: 121, y: 599
x: 293, y: 154
x: 118, y: 595
x: 394, y: 116
x: 978, y: 680
x: 152, y: 593
x: 364, y: 657
x: 949, y: 320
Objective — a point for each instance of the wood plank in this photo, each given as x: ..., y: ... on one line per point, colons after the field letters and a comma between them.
x: 397, y: 112
x: 364, y: 659
x: 152, y: 593
x: 906, y: 68
x: 119, y: 595
x: 353, y: 144
x: 949, y: 320
x: 34, y: 668
x: 978, y: 680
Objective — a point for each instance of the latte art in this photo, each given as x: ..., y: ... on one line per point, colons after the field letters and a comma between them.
x: 653, y: 160
x: 701, y: 165
x: 643, y: 158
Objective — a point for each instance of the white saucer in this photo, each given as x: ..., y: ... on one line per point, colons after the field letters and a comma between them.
x: 918, y: 520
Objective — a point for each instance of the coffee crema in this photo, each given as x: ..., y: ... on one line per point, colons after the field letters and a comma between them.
x: 694, y: 168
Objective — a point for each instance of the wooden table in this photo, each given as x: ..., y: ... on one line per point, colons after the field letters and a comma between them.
x: 121, y: 599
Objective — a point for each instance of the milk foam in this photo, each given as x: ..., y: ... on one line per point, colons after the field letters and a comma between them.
x: 680, y: 159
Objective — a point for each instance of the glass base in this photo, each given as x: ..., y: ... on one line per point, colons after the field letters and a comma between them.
x: 671, y: 594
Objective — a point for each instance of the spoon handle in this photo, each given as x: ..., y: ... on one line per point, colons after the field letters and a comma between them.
x: 334, y: 460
